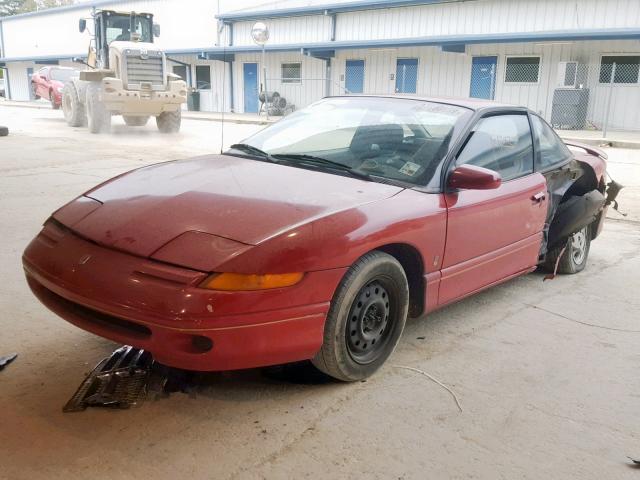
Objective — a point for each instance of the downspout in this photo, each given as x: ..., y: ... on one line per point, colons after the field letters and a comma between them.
x: 7, y: 83
x: 232, y: 102
x: 328, y: 74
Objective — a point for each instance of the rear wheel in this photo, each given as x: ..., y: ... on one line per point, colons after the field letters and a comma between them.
x: 574, y: 258
x: 135, y: 121
x: 72, y: 108
x: 366, y: 318
x: 52, y: 99
x: 98, y: 117
x: 169, y: 122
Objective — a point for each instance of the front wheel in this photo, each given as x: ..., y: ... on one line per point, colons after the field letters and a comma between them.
x: 72, y: 107
x: 169, y: 122
x: 367, y: 315
x: 575, y: 256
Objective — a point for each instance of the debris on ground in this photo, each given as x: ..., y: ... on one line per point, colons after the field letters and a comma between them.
x: 126, y: 378
x: 433, y: 379
x: 7, y: 359
x: 119, y: 381
x: 636, y: 462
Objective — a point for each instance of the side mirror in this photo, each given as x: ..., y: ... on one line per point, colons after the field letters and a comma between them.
x: 156, y: 30
x: 471, y: 177
x: 82, y: 25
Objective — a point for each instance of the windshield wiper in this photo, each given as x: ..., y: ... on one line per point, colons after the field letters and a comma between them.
x: 250, y: 149
x: 319, y: 161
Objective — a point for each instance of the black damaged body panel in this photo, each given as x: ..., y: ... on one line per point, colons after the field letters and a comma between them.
x: 576, y: 199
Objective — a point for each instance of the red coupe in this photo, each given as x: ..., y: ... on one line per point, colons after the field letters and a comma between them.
x: 48, y: 83
x: 317, y: 237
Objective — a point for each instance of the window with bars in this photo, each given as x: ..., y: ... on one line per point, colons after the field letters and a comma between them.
x: 291, y: 73
x: 522, y: 70
x: 627, y: 68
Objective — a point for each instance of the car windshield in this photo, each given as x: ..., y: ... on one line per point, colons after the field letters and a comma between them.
x: 62, y: 75
x: 397, y: 139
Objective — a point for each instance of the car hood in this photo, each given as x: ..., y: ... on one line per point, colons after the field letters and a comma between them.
x: 238, y: 199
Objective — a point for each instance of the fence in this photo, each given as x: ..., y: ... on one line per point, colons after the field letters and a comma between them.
x: 569, y: 95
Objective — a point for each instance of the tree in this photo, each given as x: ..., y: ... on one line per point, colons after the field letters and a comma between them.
x: 10, y: 7
x: 13, y: 7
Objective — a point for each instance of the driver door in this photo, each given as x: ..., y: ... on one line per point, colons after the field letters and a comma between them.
x: 493, y: 235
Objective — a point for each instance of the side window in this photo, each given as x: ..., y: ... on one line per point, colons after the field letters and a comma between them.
x: 551, y: 150
x: 501, y: 143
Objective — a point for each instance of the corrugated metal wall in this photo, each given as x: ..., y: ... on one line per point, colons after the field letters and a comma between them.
x: 487, y: 16
x: 287, y: 30
x: 300, y: 94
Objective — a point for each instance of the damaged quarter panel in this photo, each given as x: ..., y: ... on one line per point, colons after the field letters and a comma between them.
x: 575, y: 183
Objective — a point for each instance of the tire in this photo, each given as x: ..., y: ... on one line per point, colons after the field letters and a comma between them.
x: 52, y: 99
x: 98, y: 117
x: 169, y: 122
x: 4, y: 131
x: 367, y: 315
x: 135, y: 121
x: 72, y: 107
x: 33, y: 90
x: 575, y: 257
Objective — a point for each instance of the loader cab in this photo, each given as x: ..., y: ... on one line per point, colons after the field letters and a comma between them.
x: 110, y: 26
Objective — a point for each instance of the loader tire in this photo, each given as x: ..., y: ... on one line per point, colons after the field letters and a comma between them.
x: 98, y: 117
x: 72, y: 107
x: 169, y: 122
x: 135, y: 121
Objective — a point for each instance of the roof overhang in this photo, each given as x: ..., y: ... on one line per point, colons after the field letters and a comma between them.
x: 449, y: 43
x: 42, y: 59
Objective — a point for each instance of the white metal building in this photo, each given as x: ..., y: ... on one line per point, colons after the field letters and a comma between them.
x: 517, y: 51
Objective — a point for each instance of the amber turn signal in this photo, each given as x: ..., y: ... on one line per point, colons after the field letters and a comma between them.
x: 239, y: 282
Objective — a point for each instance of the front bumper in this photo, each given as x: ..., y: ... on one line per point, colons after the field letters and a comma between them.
x: 120, y: 101
x: 159, y: 307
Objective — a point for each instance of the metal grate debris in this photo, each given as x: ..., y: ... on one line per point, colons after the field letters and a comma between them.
x: 119, y: 381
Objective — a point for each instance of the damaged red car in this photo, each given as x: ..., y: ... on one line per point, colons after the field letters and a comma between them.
x: 319, y: 236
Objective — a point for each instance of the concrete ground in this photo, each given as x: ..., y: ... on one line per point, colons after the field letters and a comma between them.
x: 547, y: 374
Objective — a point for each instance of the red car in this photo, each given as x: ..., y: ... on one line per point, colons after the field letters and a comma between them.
x: 48, y: 83
x: 319, y: 236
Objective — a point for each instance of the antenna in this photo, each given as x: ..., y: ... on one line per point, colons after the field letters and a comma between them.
x: 224, y: 94
x: 224, y: 77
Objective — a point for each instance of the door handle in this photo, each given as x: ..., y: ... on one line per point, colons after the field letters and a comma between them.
x: 538, y: 197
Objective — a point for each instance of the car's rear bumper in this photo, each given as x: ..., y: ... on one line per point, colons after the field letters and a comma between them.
x: 159, y: 307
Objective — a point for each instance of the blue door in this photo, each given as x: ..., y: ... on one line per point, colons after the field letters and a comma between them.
x: 250, y: 75
x: 406, y: 75
x: 354, y: 76
x: 29, y: 75
x: 483, y: 77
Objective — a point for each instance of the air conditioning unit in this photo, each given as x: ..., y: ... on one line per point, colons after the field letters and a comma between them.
x: 569, y: 75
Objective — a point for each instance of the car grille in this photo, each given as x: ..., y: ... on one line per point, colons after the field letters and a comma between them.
x: 145, y: 69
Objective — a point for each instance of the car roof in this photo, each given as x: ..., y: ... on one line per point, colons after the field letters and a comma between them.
x: 470, y: 103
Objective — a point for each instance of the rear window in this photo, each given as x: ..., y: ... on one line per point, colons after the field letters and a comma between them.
x: 551, y: 149
x: 62, y: 75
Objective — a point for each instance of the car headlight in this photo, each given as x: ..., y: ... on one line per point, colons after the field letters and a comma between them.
x: 238, y: 282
